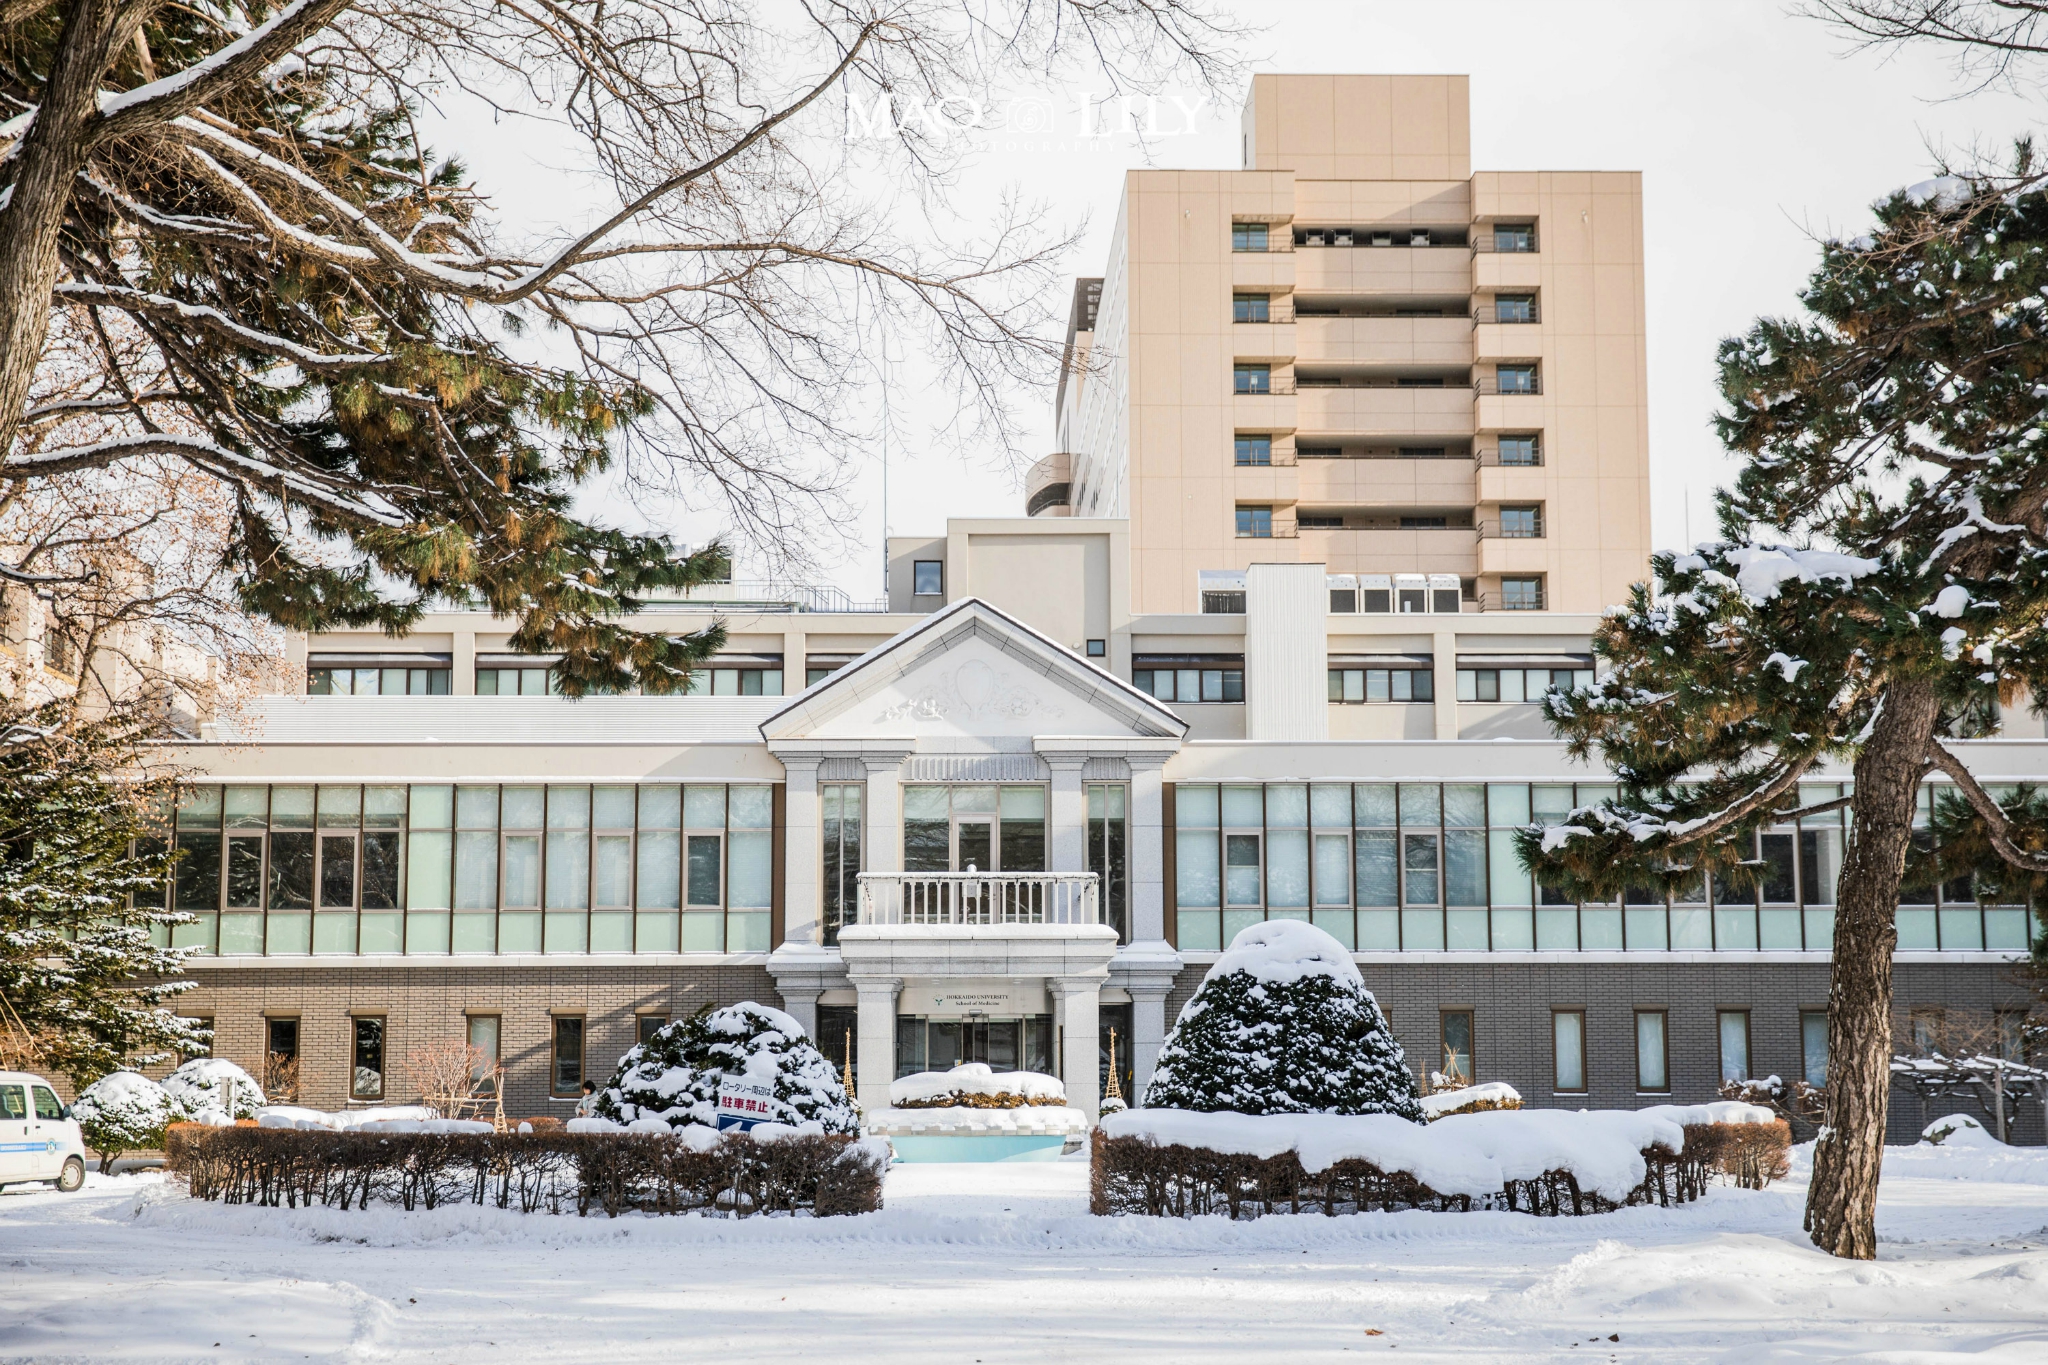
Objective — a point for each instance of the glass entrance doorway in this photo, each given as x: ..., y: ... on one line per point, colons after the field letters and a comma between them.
x: 1015, y: 1044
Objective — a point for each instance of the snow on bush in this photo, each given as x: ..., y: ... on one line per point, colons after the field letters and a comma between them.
x: 399, y: 1118
x: 674, y: 1076
x: 212, y: 1090
x: 1958, y: 1130
x: 1470, y: 1099
x: 974, y: 1085
x: 120, y: 1112
x: 1283, y: 1024
x: 1464, y: 1154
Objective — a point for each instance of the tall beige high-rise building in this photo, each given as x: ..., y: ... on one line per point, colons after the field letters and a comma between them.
x: 1357, y: 351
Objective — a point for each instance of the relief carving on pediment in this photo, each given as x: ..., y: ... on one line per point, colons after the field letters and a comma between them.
x: 973, y: 691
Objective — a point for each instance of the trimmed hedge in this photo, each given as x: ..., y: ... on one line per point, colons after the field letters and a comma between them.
x: 821, y: 1174
x: 1136, y: 1175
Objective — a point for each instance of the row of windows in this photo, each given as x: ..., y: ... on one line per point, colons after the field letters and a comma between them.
x: 1427, y: 867
x: 1254, y: 450
x: 1572, y: 1066
x: 1191, y: 684
x: 1381, y: 684
x: 1515, y: 237
x: 474, y: 869
x: 536, y: 680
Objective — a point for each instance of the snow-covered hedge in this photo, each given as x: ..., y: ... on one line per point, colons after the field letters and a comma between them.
x: 975, y: 1086
x: 1547, y: 1161
x: 212, y: 1090
x: 121, y: 1112
x: 674, y: 1076
x: 400, y: 1118
x: 1283, y: 1024
x: 425, y: 1163
x: 1470, y: 1099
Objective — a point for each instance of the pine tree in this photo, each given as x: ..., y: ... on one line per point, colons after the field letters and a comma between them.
x: 1283, y: 1024
x: 674, y: 1076
x: 83, y: 989
x: 1879, y: 588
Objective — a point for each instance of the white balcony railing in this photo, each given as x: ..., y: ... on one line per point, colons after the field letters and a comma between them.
x: 980, y: 898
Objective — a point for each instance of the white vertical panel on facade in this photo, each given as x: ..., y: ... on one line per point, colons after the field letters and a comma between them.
x: 1286, y: 653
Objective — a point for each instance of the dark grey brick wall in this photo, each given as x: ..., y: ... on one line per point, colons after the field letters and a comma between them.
x: 1511, y: 1004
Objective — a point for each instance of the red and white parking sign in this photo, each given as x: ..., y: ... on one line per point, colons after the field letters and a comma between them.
x: 742, y: 1104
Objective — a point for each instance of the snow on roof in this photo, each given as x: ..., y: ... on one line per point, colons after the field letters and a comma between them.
x: 1278, y: 951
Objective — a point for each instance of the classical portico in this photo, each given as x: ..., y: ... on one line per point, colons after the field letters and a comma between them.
x: 973, y: 747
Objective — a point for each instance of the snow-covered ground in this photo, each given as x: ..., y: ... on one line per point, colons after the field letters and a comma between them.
x: 1003, y: 1264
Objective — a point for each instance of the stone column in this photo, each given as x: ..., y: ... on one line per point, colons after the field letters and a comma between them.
x: 462, y: 665
x: 1147, y: 850
x: 1444, y: 649
x: 881, y: 848
x: 800, y: 850
x: 875, y: 1057
x: 800, y: 1004
x: 1069, y: 814
x: 1078, y: 1005
x: 1148, y: 1035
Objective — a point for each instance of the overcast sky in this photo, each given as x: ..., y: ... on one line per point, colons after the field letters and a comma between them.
x: 1755, y: 130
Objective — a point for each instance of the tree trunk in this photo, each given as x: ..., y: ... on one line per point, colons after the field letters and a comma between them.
x: 50, y: 159
x: 1841, y: 1203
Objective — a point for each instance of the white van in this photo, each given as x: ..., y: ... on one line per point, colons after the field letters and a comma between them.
x: 39, y: 1140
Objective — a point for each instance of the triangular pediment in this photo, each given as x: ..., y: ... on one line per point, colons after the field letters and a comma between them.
x: 971, y: 672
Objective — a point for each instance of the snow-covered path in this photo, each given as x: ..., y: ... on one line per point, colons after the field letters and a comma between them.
x: 1003, y: 1264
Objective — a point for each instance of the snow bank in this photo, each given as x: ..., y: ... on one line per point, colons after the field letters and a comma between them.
x: 1469, y: 1154
x: 975, y: 1078
x: 400, y: 1118
x: 1286, y: 950
x: 1717, y: 1111
x: 1444, y: 1103
x: 1959, y: 1130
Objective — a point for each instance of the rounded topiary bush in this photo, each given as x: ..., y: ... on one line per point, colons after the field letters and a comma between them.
x: 122, y: 1111
x: 212, y: 1090
x: 674, y: 1076
x: 1283, y: 1024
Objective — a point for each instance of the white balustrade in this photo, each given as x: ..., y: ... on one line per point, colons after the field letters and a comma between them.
x: 969, y: 898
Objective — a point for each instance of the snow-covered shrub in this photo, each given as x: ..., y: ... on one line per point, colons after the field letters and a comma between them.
x: 120, y: 1112
x: 212, y: 1089
x: 674, y: 1076
x: 1113, y: 1105
x: 1958, y: 1130
x: 1283, y: 1024
x: 974, y: 1085
x: 1470, y: 1099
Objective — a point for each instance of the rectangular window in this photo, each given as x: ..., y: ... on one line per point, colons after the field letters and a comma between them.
x: 1254, y: 523
x: 1425, y: 523
x: 649, y: 1025
x: 840, y: 806
x: 484, y: 1032
x: 1813, y: 1046
x: 1521, y: 594
x: 281, y: 1060
x: 1255, y: 452
x: 1734, y: 1027
x: 1520, y: 451
x: 1568, y: 1045
x: 1251, y: 308
x: 1457, y: 1046
x: 366, y: 1080
x: 1514, y: 308
x: 516, y: 682
x: 928, y: 577
x: 1521, y: 523
x: 1109, y: 852
x: 1252, y: 378
x: 1515, y: 237
x: 1653, y: 1058
x: 1319, y: 521
x: 1420, y: 868
x: 1249, y: 236
x: 1515, y: 378
x: 565, y: 1071
x: 1354, y: 685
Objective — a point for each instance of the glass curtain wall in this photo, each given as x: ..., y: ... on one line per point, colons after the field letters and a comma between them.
x: 474, y: 869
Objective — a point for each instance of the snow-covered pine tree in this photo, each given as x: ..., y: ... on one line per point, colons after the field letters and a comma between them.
x: 212, y: 1089
x: 78, y: 971
x: 674, y: 1076
x: 1283, y: 1024
x: 120, y: 1112
x: 1880, y: 587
